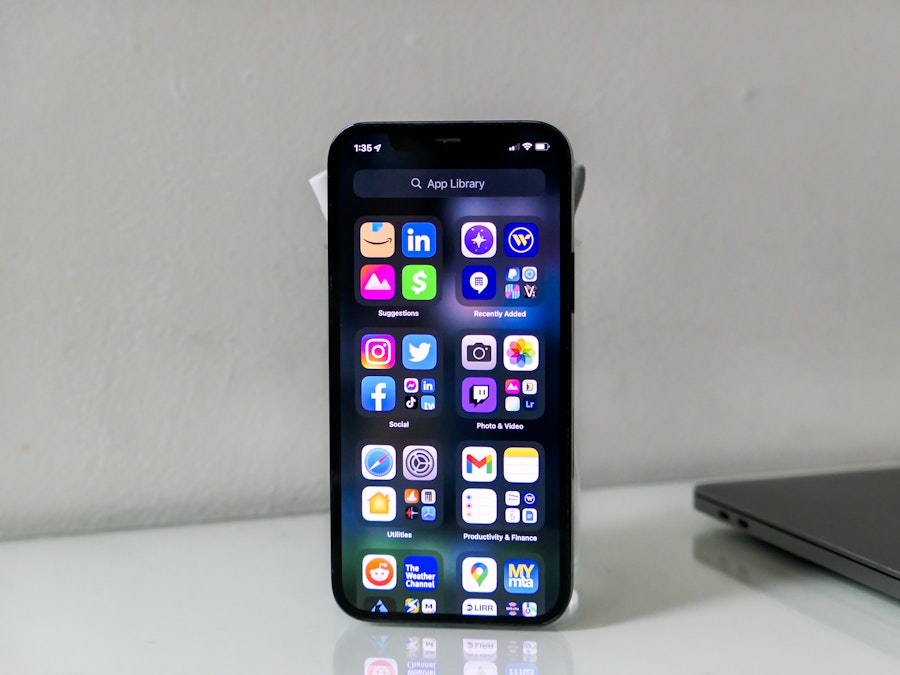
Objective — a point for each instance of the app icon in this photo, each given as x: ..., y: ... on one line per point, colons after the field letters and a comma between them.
x: 419, y: 352
x: 521, y: 352
x: 512, y: 404
x: 479, y: 464
x: 411, y: 605
x: 411, y: 496
x: 410, y: 385
x: 521, y: 465
x: 479, y: 352
x: 411, y: 513
x: 479, y: 282
x: 378, y: 351
x: 378, y: 394
x: 529, y: 498
x: 420, y: 462
x: 520, y: 240
x: 479, y: 506
x: 427, y: 403
x: 479, y: 575
x: 479, y: 240
x: 529, y: 274
x: 380, y: 665
x: 512, y: 608
x: 379, y: 503
x: 429, y: 513
x: 377, y: 282
x: 513, y: 515
x: 376, y: 240
x: 379, y: 571
x: 529, y: 647
x: 479, y: 395
x: 530, y: 291
x: 419, y: 240
x: 529, y: 609
x: 479, y: 607
x: 411, y: 402
x: 419, y: 282
x: 529, y: 387
x: 379, y: 605
x: 512, y: 274
x: 429, y: 496
x: 521, y: 576
x: 512, y: 498
x: 512, y: 291
x: 529, y: 516
x: 429, y: 606
x: 420, y: 573
x: 512, y: 387
x: 429, y: 386
x: 379, y: 462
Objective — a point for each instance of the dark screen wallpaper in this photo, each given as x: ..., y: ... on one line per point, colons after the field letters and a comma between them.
x: 451, y: 381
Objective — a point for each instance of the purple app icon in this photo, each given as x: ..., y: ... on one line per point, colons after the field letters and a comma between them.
x: 479, y: 395
x: 479, y: 240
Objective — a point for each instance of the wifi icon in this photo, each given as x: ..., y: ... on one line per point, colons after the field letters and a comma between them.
x: 527, y: 146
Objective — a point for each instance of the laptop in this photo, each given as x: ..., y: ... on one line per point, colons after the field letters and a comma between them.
x: 848, y: 522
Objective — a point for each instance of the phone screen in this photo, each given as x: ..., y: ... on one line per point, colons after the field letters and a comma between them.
x: 450, y: 265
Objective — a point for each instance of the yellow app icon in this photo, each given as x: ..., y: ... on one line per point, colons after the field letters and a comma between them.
x: 521, y: 465
x: 376, y: 240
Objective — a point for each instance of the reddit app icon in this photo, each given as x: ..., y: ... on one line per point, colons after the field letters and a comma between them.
x: 379, y: 571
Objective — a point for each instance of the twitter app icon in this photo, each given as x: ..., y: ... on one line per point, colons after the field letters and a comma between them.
x: 419, y: 352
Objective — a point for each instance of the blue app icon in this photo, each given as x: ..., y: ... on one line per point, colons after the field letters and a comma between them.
x: 512, y: 274
x: 419, y: 240
x: 420, y: 352
x: 429, y: 513
x: 420, y: 573
x: 520, y: 240
x: 429, y: 386
x: 428, y: 403
x: 378, y: 393
x: 479, y: 282
x: 521, y: 576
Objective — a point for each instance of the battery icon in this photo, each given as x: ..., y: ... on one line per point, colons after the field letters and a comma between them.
x: 541, y: 146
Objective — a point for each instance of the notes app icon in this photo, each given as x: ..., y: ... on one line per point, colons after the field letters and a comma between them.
x: 521, y: 465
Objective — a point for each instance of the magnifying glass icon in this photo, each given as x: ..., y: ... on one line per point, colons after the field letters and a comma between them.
x: 416, y: 183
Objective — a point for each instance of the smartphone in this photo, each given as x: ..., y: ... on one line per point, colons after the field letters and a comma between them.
x: 450, y: 268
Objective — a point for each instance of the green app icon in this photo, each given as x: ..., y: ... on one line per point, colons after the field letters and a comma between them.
x: 419, y: 282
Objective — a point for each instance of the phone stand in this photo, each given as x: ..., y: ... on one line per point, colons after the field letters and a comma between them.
x: 319, y: 185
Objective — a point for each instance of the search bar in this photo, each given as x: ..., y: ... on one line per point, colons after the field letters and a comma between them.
x: 430, y: 183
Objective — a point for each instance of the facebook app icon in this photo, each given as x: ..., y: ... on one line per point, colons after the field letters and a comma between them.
x: 378, y: 393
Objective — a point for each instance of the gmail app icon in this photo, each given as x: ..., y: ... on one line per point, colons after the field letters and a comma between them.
x: 479, y: 464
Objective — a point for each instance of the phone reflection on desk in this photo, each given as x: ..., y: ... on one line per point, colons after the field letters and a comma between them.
x: 413, y: 650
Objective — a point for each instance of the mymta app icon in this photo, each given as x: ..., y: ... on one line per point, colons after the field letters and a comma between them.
x: 377, y: 282
x: 479, y: 575
x: 520, y: 240
x: 419, y: 352
x: 378, y: 351
x: 479, y: 464
x: 479, y: 240
x: 378, y: 394
x: 376, y: 240
x: 419, y: 282
x: 521, y: 576
x: 419, y: 240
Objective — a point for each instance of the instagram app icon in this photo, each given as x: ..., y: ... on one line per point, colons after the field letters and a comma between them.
x: 378, y: 351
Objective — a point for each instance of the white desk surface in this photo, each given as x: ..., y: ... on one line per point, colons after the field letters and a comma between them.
x: 662, y: 590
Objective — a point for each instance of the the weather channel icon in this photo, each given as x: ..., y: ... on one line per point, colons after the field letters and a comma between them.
x: 420, y: 573
x: 521, y: 576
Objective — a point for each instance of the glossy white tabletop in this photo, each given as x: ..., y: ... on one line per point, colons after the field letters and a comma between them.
x: 662, y: 589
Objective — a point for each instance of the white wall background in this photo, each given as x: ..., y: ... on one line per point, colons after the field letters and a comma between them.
x: 162, y: 262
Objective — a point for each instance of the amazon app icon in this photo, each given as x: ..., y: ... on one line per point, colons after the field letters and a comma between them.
x: 376, y: 239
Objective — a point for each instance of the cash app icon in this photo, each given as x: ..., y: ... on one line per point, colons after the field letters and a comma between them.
x: 419, y: 282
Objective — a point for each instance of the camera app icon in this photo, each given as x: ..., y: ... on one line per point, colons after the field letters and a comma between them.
x: 479, y: 352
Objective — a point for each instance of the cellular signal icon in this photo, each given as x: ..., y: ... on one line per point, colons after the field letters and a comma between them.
x: 514, y: 147
x: 527, y: 146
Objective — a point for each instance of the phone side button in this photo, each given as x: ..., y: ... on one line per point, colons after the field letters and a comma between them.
x: 572, y: 282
